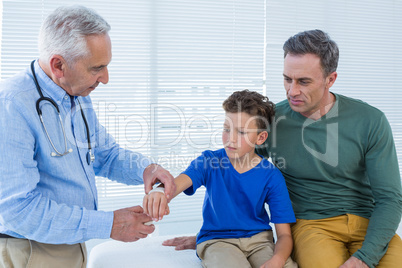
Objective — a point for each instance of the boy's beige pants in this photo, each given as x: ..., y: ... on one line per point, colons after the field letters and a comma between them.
x: 18, y: 253
x: 239, y: 252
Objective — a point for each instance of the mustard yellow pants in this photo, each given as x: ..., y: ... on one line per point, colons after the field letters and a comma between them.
x: 328, y: 243
x: 19, y: 253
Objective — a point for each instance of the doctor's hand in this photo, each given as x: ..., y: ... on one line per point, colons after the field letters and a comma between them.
x: 155, y: 173
x: 155, y: 205
x: 128, y: 224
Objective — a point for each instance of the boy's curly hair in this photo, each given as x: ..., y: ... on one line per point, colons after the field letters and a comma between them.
x: 252, y: 103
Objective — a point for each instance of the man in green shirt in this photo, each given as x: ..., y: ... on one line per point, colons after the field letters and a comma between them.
x: 338, y: 157
x: 339, y: 160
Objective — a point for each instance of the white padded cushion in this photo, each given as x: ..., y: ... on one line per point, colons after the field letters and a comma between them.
x: 146, y: 253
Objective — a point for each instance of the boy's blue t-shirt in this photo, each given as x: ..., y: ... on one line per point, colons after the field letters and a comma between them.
x: 234, y: 203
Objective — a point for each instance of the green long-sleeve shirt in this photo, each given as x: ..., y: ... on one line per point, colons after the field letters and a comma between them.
x: 345, y: 162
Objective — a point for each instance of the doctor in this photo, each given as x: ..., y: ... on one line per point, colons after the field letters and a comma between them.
x: 48, y: 196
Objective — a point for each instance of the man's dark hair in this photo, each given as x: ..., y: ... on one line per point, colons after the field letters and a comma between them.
x: 315, y: 42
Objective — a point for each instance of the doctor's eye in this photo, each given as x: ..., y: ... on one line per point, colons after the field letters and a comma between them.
x: 96, y: 70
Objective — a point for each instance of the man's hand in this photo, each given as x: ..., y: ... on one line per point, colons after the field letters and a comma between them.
x: 155, y: 173
x: 180, y: 243
x: 354, y: 262
x: 128, y: 224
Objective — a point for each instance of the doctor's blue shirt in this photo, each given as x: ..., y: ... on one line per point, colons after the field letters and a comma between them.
x: 54, y: 199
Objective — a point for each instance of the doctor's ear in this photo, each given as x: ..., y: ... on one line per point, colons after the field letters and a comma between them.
x: 57, y: 65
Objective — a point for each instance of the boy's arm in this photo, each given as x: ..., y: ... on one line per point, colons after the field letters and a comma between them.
x: 283, y: 246
x: 155, y: 204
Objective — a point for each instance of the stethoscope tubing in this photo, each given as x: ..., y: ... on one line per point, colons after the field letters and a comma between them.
x: 90, y: 156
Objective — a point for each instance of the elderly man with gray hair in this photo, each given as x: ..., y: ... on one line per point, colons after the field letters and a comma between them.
x: 52, y: 146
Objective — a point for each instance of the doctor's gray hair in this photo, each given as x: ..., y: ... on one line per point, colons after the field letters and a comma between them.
x: 65, y: 30
x: 315, y: 42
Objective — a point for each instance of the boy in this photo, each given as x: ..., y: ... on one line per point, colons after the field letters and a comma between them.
x: 236, y: 230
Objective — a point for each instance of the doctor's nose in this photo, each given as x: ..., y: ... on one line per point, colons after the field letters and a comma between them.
x: 104, y: 76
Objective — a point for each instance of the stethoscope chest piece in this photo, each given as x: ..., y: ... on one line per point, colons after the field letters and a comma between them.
x: 90, y: 157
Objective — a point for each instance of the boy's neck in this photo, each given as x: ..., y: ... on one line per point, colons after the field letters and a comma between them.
x: 245, y: 163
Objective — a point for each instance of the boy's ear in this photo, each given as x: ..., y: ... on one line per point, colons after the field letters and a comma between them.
x: 261, y: 138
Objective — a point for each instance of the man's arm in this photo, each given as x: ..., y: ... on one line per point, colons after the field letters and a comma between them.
x: 25, y: 210
x: 125, y: 166
x: 383, y: 172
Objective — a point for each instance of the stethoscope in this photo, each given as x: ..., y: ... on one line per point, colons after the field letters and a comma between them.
x: 90, y: 156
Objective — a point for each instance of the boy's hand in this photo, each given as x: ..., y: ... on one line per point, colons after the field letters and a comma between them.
x: 274, y: 262
x: 182, y: 242
x: 155, y: 205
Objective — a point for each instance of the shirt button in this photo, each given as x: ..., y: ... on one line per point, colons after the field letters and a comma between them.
x: 65, y: 97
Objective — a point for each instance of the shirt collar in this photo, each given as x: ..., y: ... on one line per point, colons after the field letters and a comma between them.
x: 50, y: 88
